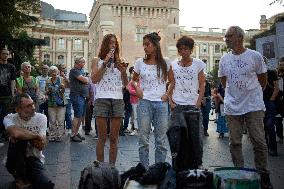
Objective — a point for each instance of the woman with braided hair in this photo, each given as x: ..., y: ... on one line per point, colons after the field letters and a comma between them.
x: 152, y: 72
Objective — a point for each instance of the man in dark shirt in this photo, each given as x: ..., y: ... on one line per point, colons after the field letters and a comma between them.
x: 78, y: 94
x: 7, y: 87
x: 269, y: 96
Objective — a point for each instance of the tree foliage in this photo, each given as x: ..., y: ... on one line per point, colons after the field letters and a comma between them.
x: 281, y: 2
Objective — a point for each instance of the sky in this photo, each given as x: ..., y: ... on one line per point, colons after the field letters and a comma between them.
x: 201, y: 13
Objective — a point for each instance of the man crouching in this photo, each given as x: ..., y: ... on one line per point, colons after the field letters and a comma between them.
x: 27, y: 131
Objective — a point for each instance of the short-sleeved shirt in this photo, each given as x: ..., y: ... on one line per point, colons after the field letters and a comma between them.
x: 7, y: 74
x: 77, y: 88
x: 153, y: 87
x: 37, y: 124
x: 186, y: 82
x: 243, y: 90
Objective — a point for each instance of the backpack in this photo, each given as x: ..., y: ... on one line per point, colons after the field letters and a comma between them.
x: 99, y: 175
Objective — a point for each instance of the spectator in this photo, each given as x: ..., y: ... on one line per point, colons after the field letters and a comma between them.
x: 42, y: 99
x: 54, y: 90
x: 280, y: 102
x: 27, y: 131
x: 68, y: 113
x: 221, y: 121
x: 109, y: 74
x: 243, y: 74
x: 78, y: 94
x: 7, y: 88
x: 127, y: 111
x: 27, y: 83
x: 206, y: 107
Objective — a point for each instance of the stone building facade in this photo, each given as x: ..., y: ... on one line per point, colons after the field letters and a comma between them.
x: 130, y: 20
x: 66, y: 34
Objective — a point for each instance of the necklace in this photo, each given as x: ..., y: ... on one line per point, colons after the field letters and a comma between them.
x: 185, y: 63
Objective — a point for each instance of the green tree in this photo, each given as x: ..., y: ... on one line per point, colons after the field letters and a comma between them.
x: 277, y: 1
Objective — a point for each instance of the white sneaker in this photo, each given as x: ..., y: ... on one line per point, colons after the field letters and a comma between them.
x: 134, y: 132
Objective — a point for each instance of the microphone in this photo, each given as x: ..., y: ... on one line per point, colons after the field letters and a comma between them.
x: 111, y: 59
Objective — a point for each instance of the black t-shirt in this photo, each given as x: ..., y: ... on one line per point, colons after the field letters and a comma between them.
x: 271, y: 77
x: 7, y: 74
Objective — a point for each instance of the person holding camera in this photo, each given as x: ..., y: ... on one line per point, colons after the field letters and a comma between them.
x: 109, y: 74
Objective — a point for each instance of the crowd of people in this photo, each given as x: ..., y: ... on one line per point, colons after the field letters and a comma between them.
x: 153, y: 95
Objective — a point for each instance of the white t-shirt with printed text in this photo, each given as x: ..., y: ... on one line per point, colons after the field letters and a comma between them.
x: 186, y: 82
x: 37, y: 124
x: 153, y: 87
x: 110, y: 86
x: 243, y: 90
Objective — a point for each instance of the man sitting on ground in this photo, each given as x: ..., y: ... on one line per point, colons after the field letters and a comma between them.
x: 27, y: 131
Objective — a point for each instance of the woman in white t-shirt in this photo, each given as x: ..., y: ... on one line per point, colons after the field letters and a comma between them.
x: 152, y: 71
x: 188, y: 89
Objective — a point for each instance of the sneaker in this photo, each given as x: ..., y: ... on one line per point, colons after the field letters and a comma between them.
x: 121, y: 133
x: 81, y: 137
x: 96, y: 137
x: 134, y: 132
x: 221, y: 135
x: 265, y: 181
x: 58, y: 139
x: 76, y: 138
x: 87, y: 132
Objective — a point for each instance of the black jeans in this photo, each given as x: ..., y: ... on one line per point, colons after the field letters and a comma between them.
x: 88, y: 117
x: 279, y: 127
x: 30, y: 168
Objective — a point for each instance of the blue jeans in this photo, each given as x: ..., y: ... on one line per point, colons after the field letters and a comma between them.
x: 205, y: 113
x: 269, y: 125
x: 68, y: 113
x: 155, y: 113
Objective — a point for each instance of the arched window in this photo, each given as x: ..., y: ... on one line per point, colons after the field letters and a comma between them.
x: 60, y: 59
x: 61, y: 43
x: 46, y: 57
x: 77, y: 44
x: 47, y: 41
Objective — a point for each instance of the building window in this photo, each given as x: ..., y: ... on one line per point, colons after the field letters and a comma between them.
x: 204, y: 49
x: 47, y: 41
x: 46, y: 57
x: 140, y: 32
x: 77, y: 44
x: 217, y: 48
x: 60, y: 59
x: 61, y: 43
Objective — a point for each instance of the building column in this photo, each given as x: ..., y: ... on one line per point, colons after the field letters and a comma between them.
x: 197, y: 50
x: 86, y: 50
x: 69, y: 54
x: 211, y: 58
x: 53, y: 58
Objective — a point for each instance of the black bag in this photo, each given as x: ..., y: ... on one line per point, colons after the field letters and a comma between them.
x: 185, y: 142
x: 99, y: 175
x: 195, y: 179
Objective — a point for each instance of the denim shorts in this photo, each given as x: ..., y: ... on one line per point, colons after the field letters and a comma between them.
x: 79, y: 105
x: 107, y: 107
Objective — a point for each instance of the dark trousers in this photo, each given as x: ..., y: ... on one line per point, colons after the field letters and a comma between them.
x: 279, y: 127
x: 88, y: 117
x: 68, y: 114
x: 205, y: 114
x: 269, y: 125
x: 5, y: 109
x: 127, y: 115
x: 30, y: 168
x: 43, y: 108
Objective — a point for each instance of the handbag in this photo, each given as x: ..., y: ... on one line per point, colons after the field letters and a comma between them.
x: 59, y: 100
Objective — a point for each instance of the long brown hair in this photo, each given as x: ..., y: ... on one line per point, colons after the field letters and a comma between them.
x: 161, y: 63
x: 105, y: 47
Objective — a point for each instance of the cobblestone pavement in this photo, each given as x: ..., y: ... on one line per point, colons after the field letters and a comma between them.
x: 65, y: 160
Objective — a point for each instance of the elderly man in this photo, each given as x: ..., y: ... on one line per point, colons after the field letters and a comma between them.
x: 78, y: 94
x: 243, y: 74
x: 27, y: 131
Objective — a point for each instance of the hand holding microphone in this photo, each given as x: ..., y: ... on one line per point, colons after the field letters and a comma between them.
x: 111, y: 59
